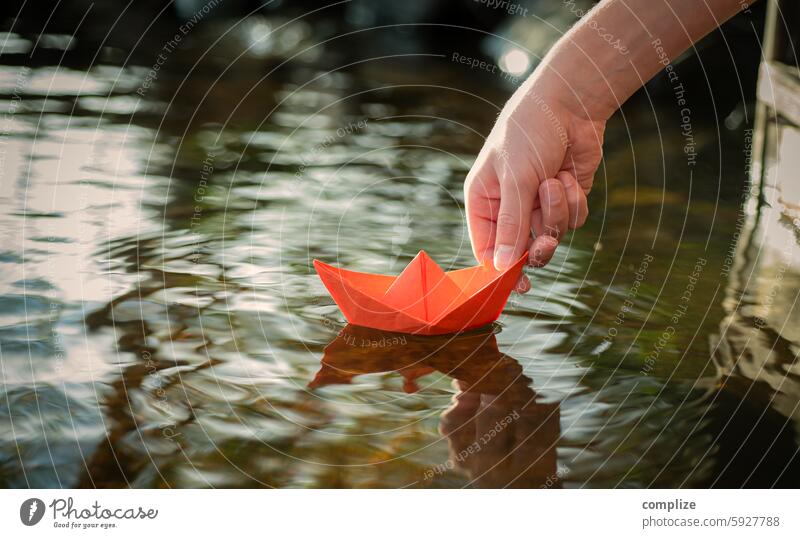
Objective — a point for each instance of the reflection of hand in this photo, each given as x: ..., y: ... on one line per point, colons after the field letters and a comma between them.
x: 502, y: 444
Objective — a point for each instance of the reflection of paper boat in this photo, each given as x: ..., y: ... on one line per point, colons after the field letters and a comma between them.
x: 423, y: 299
x: 473, y: 359
x: 494, y: 404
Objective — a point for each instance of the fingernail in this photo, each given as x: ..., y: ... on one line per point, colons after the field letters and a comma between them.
x: 503, y: 257
x: 552, y: 191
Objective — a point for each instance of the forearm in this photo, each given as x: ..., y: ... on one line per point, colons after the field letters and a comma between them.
x: 620, y: 45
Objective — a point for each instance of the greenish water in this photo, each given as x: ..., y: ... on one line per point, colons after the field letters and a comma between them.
x: 162, y: 325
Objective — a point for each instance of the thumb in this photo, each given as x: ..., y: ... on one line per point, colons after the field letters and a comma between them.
x: 513, y: 218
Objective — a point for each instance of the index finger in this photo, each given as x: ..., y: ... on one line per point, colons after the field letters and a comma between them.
x: 482, y: 200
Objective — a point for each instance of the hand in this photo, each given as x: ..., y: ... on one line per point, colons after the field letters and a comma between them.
x: 533, y: 173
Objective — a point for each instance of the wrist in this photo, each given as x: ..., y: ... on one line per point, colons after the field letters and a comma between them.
x: 590, y: 87
x: 593, y: 67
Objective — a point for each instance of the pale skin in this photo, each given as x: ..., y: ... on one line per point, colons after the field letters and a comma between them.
x: 530, y: 182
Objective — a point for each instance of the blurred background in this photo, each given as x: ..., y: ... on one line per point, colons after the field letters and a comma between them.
x: 170, y: 169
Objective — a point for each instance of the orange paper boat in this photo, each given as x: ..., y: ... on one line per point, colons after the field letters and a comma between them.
x: 423, y: 299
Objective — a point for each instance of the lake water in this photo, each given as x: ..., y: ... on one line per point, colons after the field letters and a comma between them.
x: 162, y: 324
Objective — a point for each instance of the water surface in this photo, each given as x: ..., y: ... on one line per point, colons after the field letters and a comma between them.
x: 162, y: 325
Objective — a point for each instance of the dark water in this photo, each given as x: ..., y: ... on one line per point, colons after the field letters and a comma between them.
x: 162, y: 325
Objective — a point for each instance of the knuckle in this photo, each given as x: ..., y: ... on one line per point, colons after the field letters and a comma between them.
x: 567, y: 179
x: 552, y: 230
x: 507, y: 222
x: 501, y: 154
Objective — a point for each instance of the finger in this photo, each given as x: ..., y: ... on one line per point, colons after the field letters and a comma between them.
x: 576, y: 199
x: 555, y: 213
x: 542, y: 250
x: 523, y: 285
x: 482, y: 200
x: 536, y: 221
x: 513, y: 224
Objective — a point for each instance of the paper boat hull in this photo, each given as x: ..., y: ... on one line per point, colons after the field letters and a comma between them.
x: 475, y: 297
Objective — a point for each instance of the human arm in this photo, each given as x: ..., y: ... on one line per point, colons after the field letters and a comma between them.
x: 538, y: 163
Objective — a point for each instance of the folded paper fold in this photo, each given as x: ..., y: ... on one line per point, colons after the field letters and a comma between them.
x: 423, y: 299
